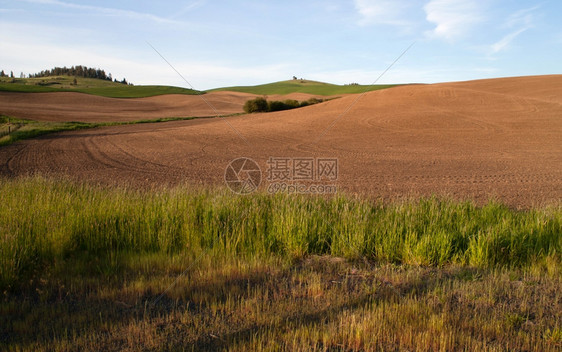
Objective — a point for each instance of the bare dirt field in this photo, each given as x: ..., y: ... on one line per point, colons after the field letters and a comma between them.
x: 472, y: 140
x: 69, y: 106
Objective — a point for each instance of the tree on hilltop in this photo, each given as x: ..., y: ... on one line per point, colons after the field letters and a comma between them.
x: 77, y: 71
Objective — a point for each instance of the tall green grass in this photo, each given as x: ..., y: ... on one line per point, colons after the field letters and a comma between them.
x: 43, y: 221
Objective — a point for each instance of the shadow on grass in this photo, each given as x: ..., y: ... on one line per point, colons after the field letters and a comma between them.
x: 387, y: 293
x: 26, y: 314
x: 27, y: 318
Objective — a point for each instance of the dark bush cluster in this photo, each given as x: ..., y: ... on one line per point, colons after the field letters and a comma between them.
x: 256, y: 105
x: 76, y: 71
x: 262, y: 105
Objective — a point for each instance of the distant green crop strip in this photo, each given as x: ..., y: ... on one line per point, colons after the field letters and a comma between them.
x: 15, y: 129
x: 88, y: 86
x: 308, y: 87
x: 118, y: 90
x: 138, y: 91
x: 108, y: 92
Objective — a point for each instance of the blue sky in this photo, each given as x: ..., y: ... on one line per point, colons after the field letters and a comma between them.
x: 224, y: 43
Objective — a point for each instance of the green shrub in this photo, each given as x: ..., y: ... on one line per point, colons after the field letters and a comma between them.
x: 292, y: 104
x: 277, y: 106
x: 262, y: 105
x: 256, y: 105
x: 312, y: 101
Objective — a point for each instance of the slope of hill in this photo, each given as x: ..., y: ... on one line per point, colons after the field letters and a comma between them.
x: 87, y: 85
x: 118, y: 90
x: 500, y: 140
x: 547, y: 88
x: 72, y: 106
x: 290, y: 272
x: 303, y: 86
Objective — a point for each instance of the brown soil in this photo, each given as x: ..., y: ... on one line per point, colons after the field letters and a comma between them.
x: 472, y: 140
x: 68, y: 106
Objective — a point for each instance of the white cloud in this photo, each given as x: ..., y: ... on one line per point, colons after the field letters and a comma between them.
x: 522, y: 20
x: 24, y: 51
x: 505, y: 41
x: 522, y: 17
x: 107, y: 11
x: 388, y: 12
x: 453, y: 19
x: 188, y: 8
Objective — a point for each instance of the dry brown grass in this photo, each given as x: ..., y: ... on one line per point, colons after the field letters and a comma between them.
x: 319, y: 303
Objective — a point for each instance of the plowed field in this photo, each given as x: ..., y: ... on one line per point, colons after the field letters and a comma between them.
x: 474, y: 140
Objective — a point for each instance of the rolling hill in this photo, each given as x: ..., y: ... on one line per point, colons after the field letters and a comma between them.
x: 117, y: 90
x: 477, y: 140
x: 88, y: 86
x: 302, y: 86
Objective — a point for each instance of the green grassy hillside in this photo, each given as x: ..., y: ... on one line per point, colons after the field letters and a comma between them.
x: 303, y: 86
x: 88, y: 86
x: 118, y: 90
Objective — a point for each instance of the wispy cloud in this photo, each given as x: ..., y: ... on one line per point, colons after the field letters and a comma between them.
x: 106, y: 11
x: 522, y: 17
x: 505, y: 41
x: 10, y: 10
x: 521, y: 20
x: 20, y: 45
x: 188, y: 8
x: 453, y: 19
x: 387, y: 12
